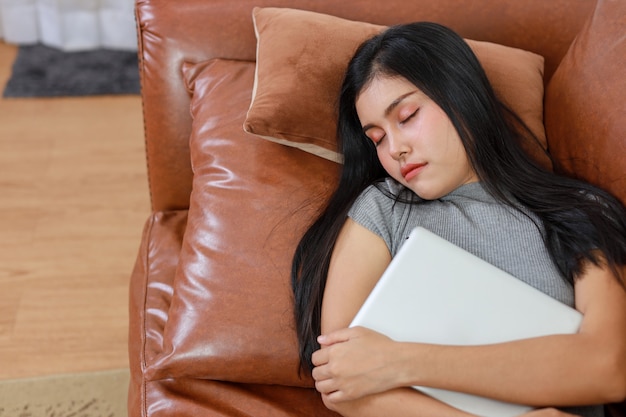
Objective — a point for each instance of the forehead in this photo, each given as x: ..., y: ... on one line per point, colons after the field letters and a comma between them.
x: 381, y: 92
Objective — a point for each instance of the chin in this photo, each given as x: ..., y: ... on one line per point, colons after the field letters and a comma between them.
x: 428, y: 193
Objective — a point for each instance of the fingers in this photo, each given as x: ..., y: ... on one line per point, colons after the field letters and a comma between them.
x: 338, y: 336
x: 324, y: 382
x: 340, y: 366
x: 320, y: 357
x: 325, y: 386
x: 330, y: 389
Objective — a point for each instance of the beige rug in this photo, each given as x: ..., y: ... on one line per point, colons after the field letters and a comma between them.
x: 93, y: 394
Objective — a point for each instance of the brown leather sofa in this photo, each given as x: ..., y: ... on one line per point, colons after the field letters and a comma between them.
x: 211, y: 328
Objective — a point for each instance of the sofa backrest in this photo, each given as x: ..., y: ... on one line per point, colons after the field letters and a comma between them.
x: 584, y: 102
x: 173, y: 32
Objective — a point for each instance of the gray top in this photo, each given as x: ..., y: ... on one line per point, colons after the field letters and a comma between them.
x: 472, y: 219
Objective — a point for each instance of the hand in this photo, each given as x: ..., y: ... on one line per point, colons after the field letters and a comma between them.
x: 353, y: 363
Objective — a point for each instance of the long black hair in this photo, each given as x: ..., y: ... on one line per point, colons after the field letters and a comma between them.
x: 581, y: 222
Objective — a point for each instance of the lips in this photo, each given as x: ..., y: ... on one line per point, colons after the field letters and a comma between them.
x: 408, y: 171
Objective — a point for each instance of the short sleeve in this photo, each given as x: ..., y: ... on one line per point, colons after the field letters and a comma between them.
x: 372, y: 210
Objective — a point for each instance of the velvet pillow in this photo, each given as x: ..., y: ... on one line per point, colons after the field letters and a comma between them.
x: 301, y: 59
x: 231, y: 314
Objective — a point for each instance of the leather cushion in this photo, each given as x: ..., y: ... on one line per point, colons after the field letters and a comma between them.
x: 231, y: 316
x: 151, y: 290
x: 186, y: 397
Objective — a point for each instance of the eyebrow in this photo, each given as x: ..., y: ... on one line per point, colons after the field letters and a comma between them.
x: 390, y: 108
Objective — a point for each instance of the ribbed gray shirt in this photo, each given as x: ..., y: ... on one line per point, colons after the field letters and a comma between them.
x: 472, y: 219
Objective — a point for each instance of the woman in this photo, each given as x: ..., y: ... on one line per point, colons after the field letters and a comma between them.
x: 427, y: 143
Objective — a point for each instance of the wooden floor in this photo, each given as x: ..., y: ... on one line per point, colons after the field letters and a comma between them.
x: 73, y: 200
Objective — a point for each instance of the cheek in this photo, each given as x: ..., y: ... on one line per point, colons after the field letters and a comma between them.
x: 384, y: 158
x: 390, y: 165
x: 454, y: 147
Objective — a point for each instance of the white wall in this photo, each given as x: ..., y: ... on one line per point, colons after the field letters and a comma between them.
x: 69, y: 24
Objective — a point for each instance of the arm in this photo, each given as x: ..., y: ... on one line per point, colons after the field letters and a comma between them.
x: 585, y: 368
x: 588, y: 367
x: 359, y: 259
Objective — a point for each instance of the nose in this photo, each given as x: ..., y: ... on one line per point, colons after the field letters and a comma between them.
x: 398, y: 145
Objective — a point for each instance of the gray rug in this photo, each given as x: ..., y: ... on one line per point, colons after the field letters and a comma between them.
x: 42, y: 71
x: 93, y: 394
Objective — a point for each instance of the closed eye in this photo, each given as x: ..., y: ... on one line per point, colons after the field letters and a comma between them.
x: 374, y: 134
x: 409, y: 117
x: 375, y: 139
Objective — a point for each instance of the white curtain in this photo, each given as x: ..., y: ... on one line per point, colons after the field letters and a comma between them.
x: 70, y: 25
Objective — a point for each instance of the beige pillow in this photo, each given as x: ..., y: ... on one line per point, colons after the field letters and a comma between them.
x: 301, y: 59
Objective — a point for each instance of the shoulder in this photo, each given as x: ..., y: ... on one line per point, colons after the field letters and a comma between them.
x: 377, y: 209
x: 359, y: 259
x: 382, y: 195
